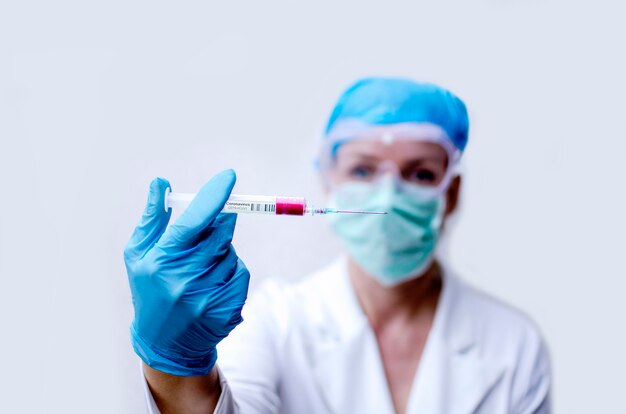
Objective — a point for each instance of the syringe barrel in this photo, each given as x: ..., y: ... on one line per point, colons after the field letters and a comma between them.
x: 177, y: 200
x: 250, y: 204
x: 292, y: 206
x: 246, y: 204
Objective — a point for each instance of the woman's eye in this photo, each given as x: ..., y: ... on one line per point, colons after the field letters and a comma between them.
x: 361, y: 171
x: 423, y: 176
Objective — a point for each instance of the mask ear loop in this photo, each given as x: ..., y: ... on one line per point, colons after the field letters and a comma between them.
x: 447, y: 179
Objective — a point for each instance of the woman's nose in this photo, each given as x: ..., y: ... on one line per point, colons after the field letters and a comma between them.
x: 388, y: 168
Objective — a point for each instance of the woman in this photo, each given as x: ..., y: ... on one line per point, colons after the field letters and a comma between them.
x: 383, y: 329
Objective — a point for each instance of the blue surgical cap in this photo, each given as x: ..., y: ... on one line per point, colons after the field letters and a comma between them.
x: 383, y: 101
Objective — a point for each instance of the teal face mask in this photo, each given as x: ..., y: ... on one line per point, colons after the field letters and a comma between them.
x: 394, y: 247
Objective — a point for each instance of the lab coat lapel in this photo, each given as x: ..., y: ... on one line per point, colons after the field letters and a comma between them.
x: 453, y: 377
x: 346, y: 362
x: 471, y: 380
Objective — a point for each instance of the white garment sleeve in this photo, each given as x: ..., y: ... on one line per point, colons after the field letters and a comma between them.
x: 535, y: 398
x: 248, y: 362
x: 225, y: 405
x: 251, y: 356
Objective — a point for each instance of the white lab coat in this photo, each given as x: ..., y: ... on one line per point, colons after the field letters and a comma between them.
x: 308, y: 348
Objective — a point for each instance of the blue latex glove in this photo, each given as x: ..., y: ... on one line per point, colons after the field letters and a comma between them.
x: 187, y: 283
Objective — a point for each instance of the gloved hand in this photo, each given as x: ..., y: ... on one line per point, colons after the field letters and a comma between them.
x: 187, y: 283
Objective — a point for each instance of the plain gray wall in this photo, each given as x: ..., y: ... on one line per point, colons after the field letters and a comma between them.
x: 97, y: 98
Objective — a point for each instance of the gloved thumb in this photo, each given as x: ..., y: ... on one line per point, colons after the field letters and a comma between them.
x: 205, y: 207
x: 152, y: 224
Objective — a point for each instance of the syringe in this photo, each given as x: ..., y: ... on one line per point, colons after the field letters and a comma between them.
x: 276, y: 205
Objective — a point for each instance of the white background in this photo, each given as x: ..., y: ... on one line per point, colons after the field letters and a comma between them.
x: 97, y: 98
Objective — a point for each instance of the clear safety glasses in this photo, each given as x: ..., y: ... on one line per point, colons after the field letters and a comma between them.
x: 419, y: 157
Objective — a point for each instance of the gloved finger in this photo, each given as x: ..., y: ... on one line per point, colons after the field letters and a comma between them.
x: 216, y: 239
x: 227, y: 302
x: 210, y: 275
x: 210, y: 256
x: 152, y: 224
x: 210, y: 200
x: 210, y: 288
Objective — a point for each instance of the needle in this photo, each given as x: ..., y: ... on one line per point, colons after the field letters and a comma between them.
x: 356, y: 212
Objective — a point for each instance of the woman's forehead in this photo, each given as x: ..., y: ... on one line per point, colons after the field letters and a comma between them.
x: 400, y: 151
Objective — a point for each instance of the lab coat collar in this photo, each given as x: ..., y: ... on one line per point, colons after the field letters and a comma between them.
x: 347, y: 360
x: 346, y: 317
